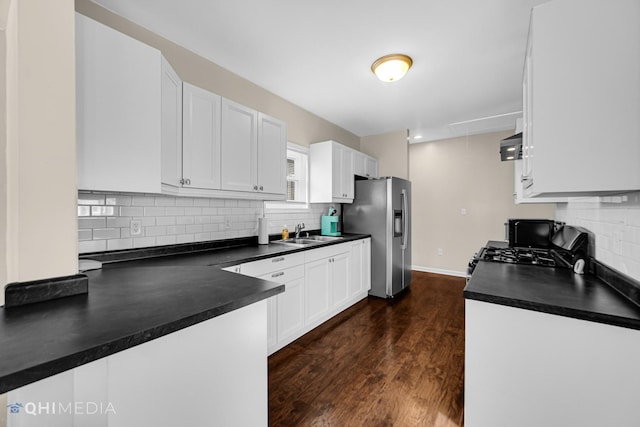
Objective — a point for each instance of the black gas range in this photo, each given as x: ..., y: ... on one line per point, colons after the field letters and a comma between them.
x: 568, y: 248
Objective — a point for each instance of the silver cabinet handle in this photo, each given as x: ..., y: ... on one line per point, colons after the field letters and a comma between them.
x: 185, y: 181
x: 261, y: 188
x: 278, y: 259
x: 281, y: 273
x: 255, y: 188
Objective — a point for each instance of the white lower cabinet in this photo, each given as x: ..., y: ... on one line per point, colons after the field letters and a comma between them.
x: 528, y: 369
x: 285, y: 314
x: 318, y: 287
x: 319, y: 283
x: 218, y: 367
x: 340, y: 269
x: 360, y: 267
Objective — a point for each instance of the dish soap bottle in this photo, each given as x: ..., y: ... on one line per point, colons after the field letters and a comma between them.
x: 285, y: 233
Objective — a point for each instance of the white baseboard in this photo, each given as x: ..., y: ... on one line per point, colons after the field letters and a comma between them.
x: 439, y: 271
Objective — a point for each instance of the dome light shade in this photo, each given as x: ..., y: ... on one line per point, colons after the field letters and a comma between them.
x: 393, y: 67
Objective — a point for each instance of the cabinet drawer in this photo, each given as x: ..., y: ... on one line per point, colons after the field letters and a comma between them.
x: 258, y: 268
x: 286, y: 275
x: 326, y: 252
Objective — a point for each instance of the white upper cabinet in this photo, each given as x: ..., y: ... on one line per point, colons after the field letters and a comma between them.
x: 365, y: 166
x: 254, y: 152
x: 582, y: 99
x: 201, y: 138
x: 239, y: 147
x: 118, y: 99
x: 171, y: 126
x: 370, y: 167
x: 272, y: 155
x: 331, y: 172
x: 343, y: 186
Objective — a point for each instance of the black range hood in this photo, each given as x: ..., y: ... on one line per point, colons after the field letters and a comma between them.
x: 511, y: 148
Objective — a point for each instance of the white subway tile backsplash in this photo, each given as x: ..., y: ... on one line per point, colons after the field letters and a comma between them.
x: 176, y: 229
x: 185, y: 220
x: 184, y: 201
x: 154, y: 211
x: 165, y: 201
x: 201, y: 202
x: 85, y: 235
x: 119, y: 221
x: 166, y: 220
x: 143, y: 201
x: 118, y: 244
x: 166, y: 240
x: 159, y: 230
x: 92, y: 246
x: 144, y: 242
x: 184, y: 238
x: 92, y: 223
x: 118, y: 200
x: 615, y: 223
x: 175, y: 211
x: 106, y: 233
x: 91, y: 199
x: 170, y: 220
x: 84, y: 210
x: 193, y: 211
x: 131, y: 211
x: 102, y: 211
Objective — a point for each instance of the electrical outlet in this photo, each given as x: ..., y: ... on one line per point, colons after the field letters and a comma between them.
x: 463, y: 211
x: 135, y: 228
x: 227, y: 224
x: 440, y: 252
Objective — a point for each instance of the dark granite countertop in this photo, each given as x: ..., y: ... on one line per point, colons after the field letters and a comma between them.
x: 552, y: 290
x: 129, y: 303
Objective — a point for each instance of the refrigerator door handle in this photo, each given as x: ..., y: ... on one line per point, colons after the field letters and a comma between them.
x: 405, y: 208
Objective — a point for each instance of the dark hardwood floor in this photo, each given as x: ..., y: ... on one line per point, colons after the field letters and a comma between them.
x: 379, y: 363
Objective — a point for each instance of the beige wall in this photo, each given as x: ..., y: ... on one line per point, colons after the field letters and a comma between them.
x: 455, y: 174
x: 392, y: 151
x: 303, y: 127
x: 38, y: 157
x: 41, y: 147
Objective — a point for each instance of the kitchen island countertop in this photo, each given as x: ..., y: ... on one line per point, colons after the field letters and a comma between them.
x: 129, y: 303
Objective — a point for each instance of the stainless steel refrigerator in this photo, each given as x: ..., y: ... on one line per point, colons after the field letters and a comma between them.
x: 382, y: 208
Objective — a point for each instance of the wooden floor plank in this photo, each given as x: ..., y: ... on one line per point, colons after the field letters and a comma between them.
x: 380, y: 363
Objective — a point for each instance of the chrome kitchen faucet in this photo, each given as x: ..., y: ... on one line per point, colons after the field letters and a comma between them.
x: 298, y: 229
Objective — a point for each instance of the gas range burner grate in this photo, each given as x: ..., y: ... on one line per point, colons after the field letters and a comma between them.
x: 541, y: 257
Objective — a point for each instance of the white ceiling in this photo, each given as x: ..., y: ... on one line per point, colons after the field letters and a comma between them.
x: 468, y: 56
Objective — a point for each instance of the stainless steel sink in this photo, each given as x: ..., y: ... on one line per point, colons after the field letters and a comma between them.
x: 299, y: 243
x: 307, y: 241
x: 324, y: 238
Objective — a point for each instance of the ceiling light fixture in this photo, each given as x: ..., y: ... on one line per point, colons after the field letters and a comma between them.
x: 392, y: 67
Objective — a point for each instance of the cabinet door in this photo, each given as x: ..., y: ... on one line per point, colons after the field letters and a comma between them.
x: 201, y: 138
x: 370, y: 167
x: 346, y: 171
x: 290, y: 315
x: 239, y: 152
x: 340, y: 278
x: 272, y: 324
x: 171, y: 126
x: 342, y: 172
x: 336, y: 172
x: 317, y: 300
x: 366, y: 264
x: 272, y: 155
x: 359, y: 167
x: 356, y: 283
x: 584, y: 109
x: 118, y: 95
